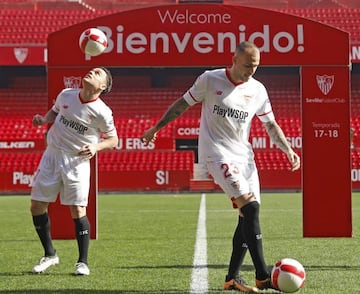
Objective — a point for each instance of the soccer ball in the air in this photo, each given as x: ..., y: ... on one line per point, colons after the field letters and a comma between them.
x: 93, y: 41
x: 288, y: 275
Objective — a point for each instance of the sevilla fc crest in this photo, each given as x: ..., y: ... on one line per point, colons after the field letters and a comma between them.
x: 72, y: 82
x: 21, y: 54
x: 325, y: 83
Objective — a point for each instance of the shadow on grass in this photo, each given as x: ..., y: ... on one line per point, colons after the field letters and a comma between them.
x: 245, y: 268
x: 314, y: 268
x: 77, y: 291
x: 22, y: 274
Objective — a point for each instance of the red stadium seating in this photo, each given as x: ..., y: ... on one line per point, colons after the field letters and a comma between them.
x: 123, y: 161
x: 342, y: 18
x: 25, y: 162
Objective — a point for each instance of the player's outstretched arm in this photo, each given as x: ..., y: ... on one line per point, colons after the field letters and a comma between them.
x: 39, y: 120
x: 173, y: 112
x: 91, y: 149
x: 277, y: 136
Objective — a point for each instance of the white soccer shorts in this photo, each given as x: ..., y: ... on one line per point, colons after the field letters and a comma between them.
x: 63, y: 173
x: 235, y: 178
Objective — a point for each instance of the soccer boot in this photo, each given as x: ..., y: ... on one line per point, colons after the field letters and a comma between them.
x: 44, y: 263
x: 81, y: 269
x: 264, y: 284
x: 238, y: 284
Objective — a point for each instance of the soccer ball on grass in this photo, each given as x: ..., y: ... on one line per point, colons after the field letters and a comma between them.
x: 93, y: 42
x: 288, y: 275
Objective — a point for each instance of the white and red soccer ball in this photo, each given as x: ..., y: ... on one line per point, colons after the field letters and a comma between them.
x: 288, y: 275
x: 93, y: 42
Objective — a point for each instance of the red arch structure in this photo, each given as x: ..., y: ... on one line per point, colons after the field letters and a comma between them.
x: 206, y: 35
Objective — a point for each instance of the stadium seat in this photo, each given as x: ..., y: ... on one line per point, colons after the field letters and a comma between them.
x: 148, y: 160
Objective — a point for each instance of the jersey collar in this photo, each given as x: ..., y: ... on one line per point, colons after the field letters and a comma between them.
x: 227, y: 72
x: 84, y: 102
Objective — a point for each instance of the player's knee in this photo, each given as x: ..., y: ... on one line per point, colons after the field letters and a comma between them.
x: 38, y: 208
x: 77, y: 211
x: 251, y: 208
x: 243, y: 200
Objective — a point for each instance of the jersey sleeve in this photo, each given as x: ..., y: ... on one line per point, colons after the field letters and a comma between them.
x: 265, y: 112
x: 56, y: 105
x: 107, y: 125
x: 197, y: 92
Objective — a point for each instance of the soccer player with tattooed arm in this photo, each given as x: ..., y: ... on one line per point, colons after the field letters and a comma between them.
x: 82, y: 125
x: 230, y: 98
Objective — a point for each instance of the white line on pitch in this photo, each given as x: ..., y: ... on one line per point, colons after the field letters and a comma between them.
x: 199, y: 276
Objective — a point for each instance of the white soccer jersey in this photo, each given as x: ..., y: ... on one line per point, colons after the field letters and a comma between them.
x: 78, y: 122
x: 227, y: 111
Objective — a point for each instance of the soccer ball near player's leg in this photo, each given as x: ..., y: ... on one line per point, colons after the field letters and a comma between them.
x: 288, y: 275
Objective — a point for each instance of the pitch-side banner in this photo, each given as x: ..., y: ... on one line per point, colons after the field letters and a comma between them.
x: 326, y: 151
x: 201, y: 35
x: 23, y: 55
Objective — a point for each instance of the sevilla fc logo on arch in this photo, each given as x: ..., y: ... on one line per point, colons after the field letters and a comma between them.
x: 325, y: 83
x: 72, y: 82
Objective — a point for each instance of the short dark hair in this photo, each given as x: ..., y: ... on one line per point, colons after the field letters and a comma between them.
x: 109, y: 80
x: 243, y: 46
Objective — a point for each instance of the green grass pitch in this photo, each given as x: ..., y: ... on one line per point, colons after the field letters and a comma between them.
x: 146, y: 245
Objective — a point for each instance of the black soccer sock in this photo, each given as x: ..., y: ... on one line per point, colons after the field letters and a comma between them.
x: 42, y: 227
x: 238, y: 251
x: 82, y: 231
x: 253, y: 237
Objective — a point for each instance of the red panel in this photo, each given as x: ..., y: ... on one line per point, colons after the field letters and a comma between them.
x: 23, y: 55
x: 326, y: 152
x: 145, y: 180
x: 134, y: 143
x: 283, y: 179
x: 16, y: 145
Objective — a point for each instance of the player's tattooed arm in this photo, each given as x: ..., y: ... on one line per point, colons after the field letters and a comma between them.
x: 277, y: 136
x: 173, y: 112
